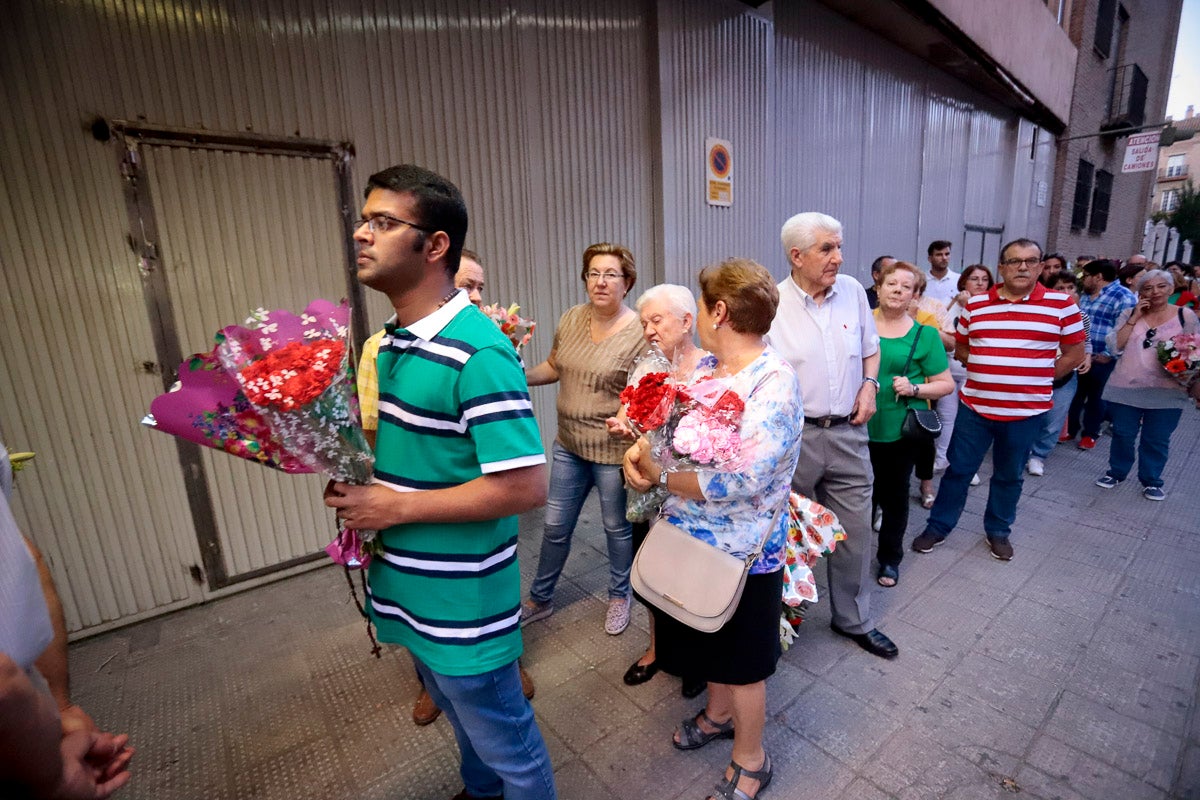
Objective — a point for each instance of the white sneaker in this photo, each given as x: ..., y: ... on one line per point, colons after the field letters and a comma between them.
x: 617, y: 618
x: 1036, y: 467
x: 975, y: 480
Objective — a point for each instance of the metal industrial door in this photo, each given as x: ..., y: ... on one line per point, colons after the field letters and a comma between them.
x: 233, y: 229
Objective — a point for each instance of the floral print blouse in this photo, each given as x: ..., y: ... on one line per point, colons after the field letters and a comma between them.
x: 738, y: 506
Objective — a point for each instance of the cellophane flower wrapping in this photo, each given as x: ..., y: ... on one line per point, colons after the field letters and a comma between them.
x: 207, y: 406
x: 813, y: 531
x: 518, y: 329
x: 296, y: 372
x: 1180, y: 357
x: 702, y: 429
x: 647, y: 401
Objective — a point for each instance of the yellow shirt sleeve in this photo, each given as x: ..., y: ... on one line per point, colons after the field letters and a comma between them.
x: 368, y: 383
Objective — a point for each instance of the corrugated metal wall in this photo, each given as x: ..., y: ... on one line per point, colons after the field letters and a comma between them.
x: 538, y: 110
x: 898, y: 152
x: 545, y: 112
x: 717, y: 76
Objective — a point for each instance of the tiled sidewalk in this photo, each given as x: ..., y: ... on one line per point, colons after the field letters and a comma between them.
x: 1071, y: 672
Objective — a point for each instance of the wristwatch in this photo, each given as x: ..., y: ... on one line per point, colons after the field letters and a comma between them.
x: 869, y: 379
x: 916, y: 386
x: 662, y: 478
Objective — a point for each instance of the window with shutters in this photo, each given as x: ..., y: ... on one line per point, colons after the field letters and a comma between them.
x: 1101, y: 195
x: 1106, y: 17
x: 1083, y: 194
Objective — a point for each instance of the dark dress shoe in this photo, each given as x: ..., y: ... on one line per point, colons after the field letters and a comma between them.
x: 873, y: 641
x: 692, y: 687
x: 640, y: 673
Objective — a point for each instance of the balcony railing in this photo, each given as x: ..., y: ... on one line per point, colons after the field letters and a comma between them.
x: 1127, y: 103
x: 1174, y: 173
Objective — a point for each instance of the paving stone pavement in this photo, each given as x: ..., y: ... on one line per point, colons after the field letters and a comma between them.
x: 1069, y: 673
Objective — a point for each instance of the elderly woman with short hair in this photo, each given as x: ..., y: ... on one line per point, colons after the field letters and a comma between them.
x: 735, y: 511
x: 668, y: 314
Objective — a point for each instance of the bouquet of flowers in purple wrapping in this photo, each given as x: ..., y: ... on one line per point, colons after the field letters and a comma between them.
x: 278, y: 390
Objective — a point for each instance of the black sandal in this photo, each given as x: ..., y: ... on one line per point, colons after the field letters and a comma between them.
x: 727, y: 788
x: 692, y: 736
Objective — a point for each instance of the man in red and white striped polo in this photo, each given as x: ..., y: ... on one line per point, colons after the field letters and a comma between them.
x: 1010, y: 340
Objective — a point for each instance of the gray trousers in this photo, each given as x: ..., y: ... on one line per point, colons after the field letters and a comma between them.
x: 835, y: 470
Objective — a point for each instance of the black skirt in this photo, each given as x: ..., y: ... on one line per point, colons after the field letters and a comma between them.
x: 744, y: 651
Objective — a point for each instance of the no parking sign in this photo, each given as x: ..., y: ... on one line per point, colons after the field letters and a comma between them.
x: 719, y: 166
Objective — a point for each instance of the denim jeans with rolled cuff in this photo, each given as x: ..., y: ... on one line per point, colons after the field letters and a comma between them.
x: 571, y: 480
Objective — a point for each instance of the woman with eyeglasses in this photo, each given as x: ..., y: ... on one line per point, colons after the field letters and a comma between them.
x: 1140, y: 393
x: 594, y: 347
x: 913, y: 365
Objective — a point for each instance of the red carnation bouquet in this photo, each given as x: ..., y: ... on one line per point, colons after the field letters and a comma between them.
x: 278, y: 390
x: 688, y: 425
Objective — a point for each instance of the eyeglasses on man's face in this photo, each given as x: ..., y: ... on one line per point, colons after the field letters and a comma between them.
x: 1016, y: 262
x: 382, y: 223
x: 608, y: 275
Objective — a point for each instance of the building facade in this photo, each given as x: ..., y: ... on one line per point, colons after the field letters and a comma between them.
x: 1178, y: 164
x: 1122, y: 76
x: 212, y: 163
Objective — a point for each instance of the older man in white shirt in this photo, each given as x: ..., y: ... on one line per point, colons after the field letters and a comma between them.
x: 825, y: 330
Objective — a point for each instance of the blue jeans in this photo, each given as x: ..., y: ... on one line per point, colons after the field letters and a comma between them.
x: 1055, y: 417
x: 1157, y: 425
x: 502, y: 749
x: 973, y: 434
x: 571, y: 479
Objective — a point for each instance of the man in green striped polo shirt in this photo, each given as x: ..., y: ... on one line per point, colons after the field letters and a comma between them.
x: 458, y: 456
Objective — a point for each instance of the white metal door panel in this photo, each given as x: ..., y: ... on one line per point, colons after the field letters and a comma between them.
x: 240, y: 231
x: 944, y: 171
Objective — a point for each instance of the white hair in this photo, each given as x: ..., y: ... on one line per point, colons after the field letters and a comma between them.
x: 801, y: 231
x: 679, y: 299
x: 1149, y: 275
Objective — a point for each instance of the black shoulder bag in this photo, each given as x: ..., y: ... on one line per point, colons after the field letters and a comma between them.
x: 920, y: 424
